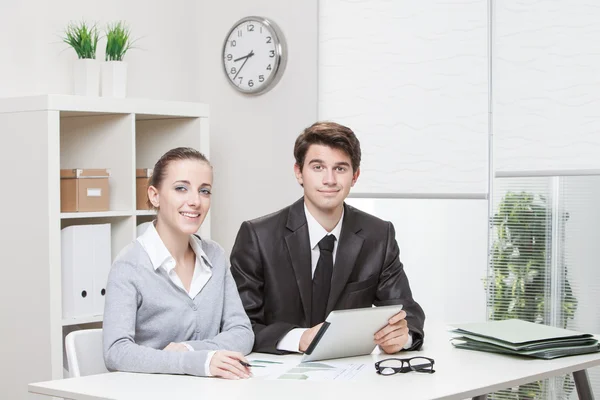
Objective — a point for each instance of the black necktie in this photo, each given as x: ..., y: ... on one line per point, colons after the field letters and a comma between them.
x: 322, y: 280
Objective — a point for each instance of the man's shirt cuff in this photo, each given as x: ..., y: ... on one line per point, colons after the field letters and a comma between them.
x: 409, y: 342
x: 291, y: 341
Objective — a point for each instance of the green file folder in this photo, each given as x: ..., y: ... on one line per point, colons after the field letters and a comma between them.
x: 523, y: 338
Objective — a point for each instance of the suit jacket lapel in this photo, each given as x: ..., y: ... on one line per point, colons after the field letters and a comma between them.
x: 349, y: 247
x: 298, y: 244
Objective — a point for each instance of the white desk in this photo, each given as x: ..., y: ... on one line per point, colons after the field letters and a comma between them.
x: 459, y: 374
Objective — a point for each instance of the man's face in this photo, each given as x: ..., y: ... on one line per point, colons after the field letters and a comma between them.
x: 326, y: 177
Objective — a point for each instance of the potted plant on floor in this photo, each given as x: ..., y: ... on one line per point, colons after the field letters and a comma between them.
x: 114, y: 69
x: 83, y: 38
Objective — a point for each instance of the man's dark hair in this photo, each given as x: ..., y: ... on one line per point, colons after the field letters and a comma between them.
x: 328, y: 134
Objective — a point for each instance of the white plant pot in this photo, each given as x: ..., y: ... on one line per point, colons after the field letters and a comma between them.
x: 114, y: 78
x: 86, y: 77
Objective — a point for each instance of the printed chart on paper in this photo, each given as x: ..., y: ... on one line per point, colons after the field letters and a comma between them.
x: 309, y: 371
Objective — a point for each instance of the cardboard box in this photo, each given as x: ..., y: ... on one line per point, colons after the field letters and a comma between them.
x: 142, y: 176
x: 84, y: 190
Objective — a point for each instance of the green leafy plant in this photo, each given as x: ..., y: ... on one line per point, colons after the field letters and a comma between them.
x: 516, y: 287
x: 83, y: 38
x: 118, y: 41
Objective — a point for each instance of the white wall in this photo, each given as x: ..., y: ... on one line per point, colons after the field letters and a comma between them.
x: 252, y: 138
x: 33, y: 59
x: 442, y: 243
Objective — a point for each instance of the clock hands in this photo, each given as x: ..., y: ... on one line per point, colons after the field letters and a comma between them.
x: 247, y: 57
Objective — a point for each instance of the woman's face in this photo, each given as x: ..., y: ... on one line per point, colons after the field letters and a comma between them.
x: 183, y: 199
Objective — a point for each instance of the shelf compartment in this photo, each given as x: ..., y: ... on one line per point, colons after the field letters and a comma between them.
x: 95, y: 214
x: 104, y: 141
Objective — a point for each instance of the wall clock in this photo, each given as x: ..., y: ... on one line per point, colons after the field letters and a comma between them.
x: 254, y: 55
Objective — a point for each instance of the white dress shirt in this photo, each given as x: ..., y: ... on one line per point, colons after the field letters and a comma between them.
x: 162, y: 258
x: 291, y: 341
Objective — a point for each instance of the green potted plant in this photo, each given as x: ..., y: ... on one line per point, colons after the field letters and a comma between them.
x: 83, y: 38
x: 114, y: 69
x: 519, y: 273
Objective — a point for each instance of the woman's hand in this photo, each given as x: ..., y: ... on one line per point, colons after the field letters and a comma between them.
x: 176, y: 347
x: 226, y: 364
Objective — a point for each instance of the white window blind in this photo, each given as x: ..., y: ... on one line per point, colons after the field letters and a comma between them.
x: 545, y: 85
x: 411, y: 79
x: 543, y: 262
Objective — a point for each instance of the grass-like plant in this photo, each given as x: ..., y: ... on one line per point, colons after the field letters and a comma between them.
x: 118, y: 41
x: 83, y: 38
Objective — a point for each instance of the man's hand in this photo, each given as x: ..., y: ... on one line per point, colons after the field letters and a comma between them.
x: 392, y: 337
x: 226, y: 364
x: 308, y: 336
x: 176, y: 347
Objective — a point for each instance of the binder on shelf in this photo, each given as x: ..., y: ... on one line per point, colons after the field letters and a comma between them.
x: 86, y: 261
x: 102, y: 264
x: 517, y: 337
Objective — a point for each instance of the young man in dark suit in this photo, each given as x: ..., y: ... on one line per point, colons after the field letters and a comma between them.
x: 296, y: 265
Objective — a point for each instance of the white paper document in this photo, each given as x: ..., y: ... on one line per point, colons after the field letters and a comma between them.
x: 308, y: 371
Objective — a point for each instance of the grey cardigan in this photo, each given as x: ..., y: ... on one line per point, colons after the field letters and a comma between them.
x: 144, y: 312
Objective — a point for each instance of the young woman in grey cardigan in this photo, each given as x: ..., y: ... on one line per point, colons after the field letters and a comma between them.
x: 171, y: 303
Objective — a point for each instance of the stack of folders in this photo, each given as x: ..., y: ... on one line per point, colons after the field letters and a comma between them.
x: 523, y: 338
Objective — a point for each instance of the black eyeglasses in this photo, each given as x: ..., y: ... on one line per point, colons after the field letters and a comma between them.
x: 391, y: 366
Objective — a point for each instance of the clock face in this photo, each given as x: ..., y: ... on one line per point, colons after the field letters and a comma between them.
x: 253, y: 55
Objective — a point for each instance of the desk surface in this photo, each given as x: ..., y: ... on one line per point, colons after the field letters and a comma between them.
x: 459, y: 374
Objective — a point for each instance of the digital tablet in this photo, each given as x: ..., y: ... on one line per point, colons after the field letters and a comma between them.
x: 347, y: 333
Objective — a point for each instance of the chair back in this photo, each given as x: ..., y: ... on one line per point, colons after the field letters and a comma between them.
x: 84, y: 352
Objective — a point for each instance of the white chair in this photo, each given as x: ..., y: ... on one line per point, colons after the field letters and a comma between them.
x: 84, y: 352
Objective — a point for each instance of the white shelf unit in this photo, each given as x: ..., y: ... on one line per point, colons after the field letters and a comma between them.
x: 82, y: 320
x: 43, y: 134
x: 98, y: 214
x: 145, y: 212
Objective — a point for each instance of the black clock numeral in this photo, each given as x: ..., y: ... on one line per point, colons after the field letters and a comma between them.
x: 233, y: 71
x: 229, y: 57
x: 250, y: 83
x: 239, y: 33
x: 271, y: 53
x: 250, y: 28
x: 269, y: 39
x: 261, y: 78
x: 233, y: 43
x: 269, y: 67
x: 241, y: 78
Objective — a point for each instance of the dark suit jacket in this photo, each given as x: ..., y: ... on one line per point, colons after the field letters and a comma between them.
x: 271, y: 264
